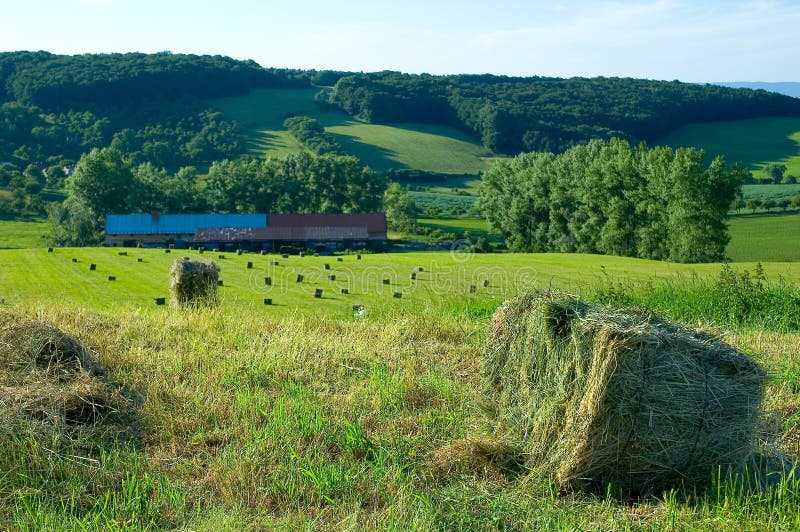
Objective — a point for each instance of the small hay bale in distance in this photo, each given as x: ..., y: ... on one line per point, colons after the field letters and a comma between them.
x: 268, y: 301
x: 285, y: 256
x: 473, y: 289
x: 238, y: 251
x: 345, y: 291
x: 386, y: 281
x: 268, y: 281
x: 397, y: 295
x: 599, y: 397
x: 139, y: 259
x: 332, y: 277
x: 221, y: 256
x: 160, y: 300
x: 413, y: 276
x: 318, y: 292
x: 74, y: 259
x: 327, y: 266
x: 339, y: 259
x: 49, y: 250
x: 299, y: 278
x: 112, y: 277
x: 92, y: 267
x: 358, y: 256
x: 249, y: 265
x: 123, y: 253
x: 486, y: 283
x: 193, y: 282
x: 220, y: 282
x: 168, y: 250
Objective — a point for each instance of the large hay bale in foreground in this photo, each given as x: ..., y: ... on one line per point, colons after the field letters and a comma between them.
x: 46, y: 375
x: 600, y: 397
x: 193, y: 282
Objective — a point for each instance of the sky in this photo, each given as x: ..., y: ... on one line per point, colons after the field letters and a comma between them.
x: 694, y: 41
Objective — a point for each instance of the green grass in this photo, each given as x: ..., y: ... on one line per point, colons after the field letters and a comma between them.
x: 765, y: 237
x: 754, y: 142
x: 303, y: 415
x: 774, y: 192
x: 419, y: 146
x: 34, y: 275
x: 17, y: 234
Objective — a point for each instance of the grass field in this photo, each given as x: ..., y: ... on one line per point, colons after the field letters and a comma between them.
x: 775, y: 236
x: 15, y: 234
x: 751, y: 142
x: 420, y: 146
x: 774, y: 192
x: 304, y: 415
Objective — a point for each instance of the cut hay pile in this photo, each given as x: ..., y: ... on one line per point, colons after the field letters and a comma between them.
x: 48, y: 377
x: 193, y: 282
x: 600, y: 397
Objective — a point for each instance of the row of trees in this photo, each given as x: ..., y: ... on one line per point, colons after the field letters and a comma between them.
x: 512, y: 114
x: 106, y: 181
x: 311, y: 133
x: 611, y: 198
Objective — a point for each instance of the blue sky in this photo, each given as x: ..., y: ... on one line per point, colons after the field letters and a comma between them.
x: 657, y: 39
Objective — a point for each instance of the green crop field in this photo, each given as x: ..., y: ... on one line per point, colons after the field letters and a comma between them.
x: 754, y: 143
x: 307, y: 414
x: 419, y: 146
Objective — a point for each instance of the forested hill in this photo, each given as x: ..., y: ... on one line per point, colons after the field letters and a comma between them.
x: 62, y: 81
x: 156, y: 107
x: 512, y: 114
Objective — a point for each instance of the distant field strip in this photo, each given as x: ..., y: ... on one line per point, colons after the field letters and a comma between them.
x: 754, y: 143
x: 765, y: 238
x: 28, y: 276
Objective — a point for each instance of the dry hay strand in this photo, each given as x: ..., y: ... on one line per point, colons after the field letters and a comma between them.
x: 46, y: 375
x: 193, y: 282
x: 482, y: 457
x: 600, y: 397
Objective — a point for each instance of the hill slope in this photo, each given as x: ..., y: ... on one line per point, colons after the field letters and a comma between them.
x: 754, y: 142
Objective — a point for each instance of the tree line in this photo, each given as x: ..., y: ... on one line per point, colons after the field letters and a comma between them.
x: 106, y: 181
x: 311, y: 133
x: 612, y: 198
x: 514, y: 114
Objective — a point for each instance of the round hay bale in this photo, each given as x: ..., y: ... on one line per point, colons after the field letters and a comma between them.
x: 46, y: 375
x: 193, y: 282
x: 600, y: 397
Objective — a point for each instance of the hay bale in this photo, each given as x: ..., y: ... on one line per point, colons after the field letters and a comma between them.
x: 249, y: 265
x: 486, y: 283
x: 159, y: 300
x: 332, y: 277
x: 299, y: 278
x: 49, y: 250
x: 92, y: 267
x: 74, y: 259
x: 327, y: 266
x: 386, y: 281
x: 46, y: 375
x: 413, y: 276
x: 168, y: 250
x: 339, y: 259
x: 358, y: 256
x: 268, y: 281
x: 112, y: 277
x: 345, y: 291
x: 139, y: 259
x: 123, y: 253
x: 318, y: 292
x: 267, y: 301
x: 601, y: 397
x: 193, y: 282
x: 397, y: 295
x: 473, y: 289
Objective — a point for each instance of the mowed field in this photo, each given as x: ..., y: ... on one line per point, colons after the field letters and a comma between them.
x: 754, y: 143
x: 419, y: 146
x: 34, y: 275
x: 310, y: 415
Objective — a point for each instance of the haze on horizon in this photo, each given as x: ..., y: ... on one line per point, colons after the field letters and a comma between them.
x: 704, y: 41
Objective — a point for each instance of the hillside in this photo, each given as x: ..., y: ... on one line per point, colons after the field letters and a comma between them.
x: 430, y: 148
x: 789, y: 88
x: 754, y: 142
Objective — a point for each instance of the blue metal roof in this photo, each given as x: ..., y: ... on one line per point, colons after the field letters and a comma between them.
x: 172, y: 224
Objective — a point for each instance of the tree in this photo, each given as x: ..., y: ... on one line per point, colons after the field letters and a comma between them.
x: 784, y: 203
x: 104, y: 182
x: 753, y: 204
x: 775, y: 171
x: 769, y: 204
x: 400, y: 210
x: 796, y: 202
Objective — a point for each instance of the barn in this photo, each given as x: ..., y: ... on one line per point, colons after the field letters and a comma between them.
x: 248, y: 231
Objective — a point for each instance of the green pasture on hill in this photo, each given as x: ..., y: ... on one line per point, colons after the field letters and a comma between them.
x: 754, y: 142
x: 419, y: 146
x: 19, y: 234
x: 35, y: 275
x: 773, y: 237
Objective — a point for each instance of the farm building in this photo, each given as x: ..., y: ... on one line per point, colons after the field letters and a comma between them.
x: 248, y: 231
